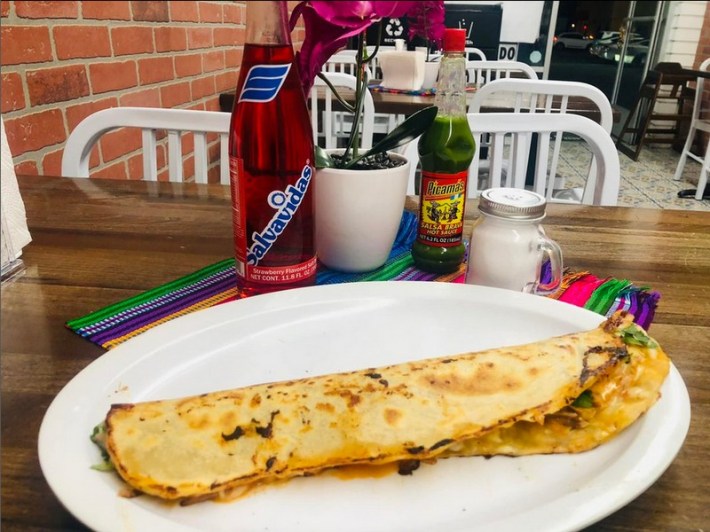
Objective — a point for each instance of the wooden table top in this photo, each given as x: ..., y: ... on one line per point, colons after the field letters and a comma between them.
x: 696, y: 73
x: 97, y: 242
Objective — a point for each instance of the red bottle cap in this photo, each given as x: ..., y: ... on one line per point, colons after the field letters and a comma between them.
x: 454, y: 39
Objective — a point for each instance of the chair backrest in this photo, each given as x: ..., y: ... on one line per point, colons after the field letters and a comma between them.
x: 480, y: 73
x: 77, y: 151
x: 601, y: 188
x: 543, y: 96
x: 332, y: 124
x: 533, y: 96
x: 344, y: 62
x: 508, y: 130
x: 473, y: 54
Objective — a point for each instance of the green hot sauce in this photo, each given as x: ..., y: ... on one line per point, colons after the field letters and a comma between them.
x: 446, y: 150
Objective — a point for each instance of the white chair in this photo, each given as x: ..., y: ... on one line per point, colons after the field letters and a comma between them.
x: 77, y: 151
x: 473, y: 53
x: 373, y: 65
x: 333, y: 125
x: 344, y: 63
x: 602, y: 188
x: 547, y: 97
x: 480, y: 73
x: 507, y: 129
x: 699, y: 122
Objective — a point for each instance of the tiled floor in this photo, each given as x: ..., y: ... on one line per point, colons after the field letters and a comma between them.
x: 647, y: 182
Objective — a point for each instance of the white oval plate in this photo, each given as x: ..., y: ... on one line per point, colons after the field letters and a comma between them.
x: 326, y: 329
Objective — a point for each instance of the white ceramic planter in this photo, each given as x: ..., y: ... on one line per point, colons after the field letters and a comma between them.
x: 357, y: 215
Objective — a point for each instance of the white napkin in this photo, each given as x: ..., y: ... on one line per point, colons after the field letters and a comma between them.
x: 14, y: 235
x: 402, y: 70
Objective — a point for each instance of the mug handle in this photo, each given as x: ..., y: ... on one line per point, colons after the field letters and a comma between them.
x: 554, y: 252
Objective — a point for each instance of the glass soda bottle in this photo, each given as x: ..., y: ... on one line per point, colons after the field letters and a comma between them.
x: 446, y: 150
x: 271, y: 160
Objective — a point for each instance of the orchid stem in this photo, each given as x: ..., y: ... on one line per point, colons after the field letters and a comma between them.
x: 377, y: 46
x: 348, y: 107
x: 360, y: 85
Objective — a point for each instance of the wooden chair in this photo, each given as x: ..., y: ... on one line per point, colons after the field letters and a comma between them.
x: 700, y: 122
x: 533, y: 96
x: 77, y: 151
x: 507, y: 129
x: 659, y: 112
x: 328, y: 123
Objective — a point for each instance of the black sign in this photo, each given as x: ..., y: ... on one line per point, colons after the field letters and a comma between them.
x: 482, y: 24
x: 392, y: 28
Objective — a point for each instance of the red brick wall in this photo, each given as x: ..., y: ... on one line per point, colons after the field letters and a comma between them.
x: 704, y: 43
x: 61, y: 61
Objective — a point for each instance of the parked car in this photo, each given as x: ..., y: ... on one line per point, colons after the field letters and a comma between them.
x: 572, y: 39
x: 608, y: 35
x: 636, y: 51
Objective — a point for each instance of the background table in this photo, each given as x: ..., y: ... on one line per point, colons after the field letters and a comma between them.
x: 97, y: 242
x: 407, y: 104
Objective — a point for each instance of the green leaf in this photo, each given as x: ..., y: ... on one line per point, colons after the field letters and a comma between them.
x: 323, y: 160
x: 106, y: 465
x: 585, y: 400
x: 407, y: 131
x: 635, y: 335
x: 98, y: 437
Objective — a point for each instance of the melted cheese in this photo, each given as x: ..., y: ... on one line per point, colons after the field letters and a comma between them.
x: 620, y: 398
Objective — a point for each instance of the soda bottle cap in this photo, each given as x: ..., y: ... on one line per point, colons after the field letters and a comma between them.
x: 454, y: 39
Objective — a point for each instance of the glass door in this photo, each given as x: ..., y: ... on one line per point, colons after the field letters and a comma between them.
x: 635, y: 53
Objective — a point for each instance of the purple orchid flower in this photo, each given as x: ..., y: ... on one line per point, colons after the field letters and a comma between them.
x: 329, y: 25
x: 426, y: 20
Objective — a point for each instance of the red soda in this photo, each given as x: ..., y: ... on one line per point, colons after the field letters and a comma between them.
x: 271, y: 164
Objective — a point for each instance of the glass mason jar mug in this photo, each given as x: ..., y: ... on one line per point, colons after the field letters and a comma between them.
x: 508, y: 245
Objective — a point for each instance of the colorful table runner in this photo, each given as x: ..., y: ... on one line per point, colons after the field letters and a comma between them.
x: 417, y: 92
x: 216, y: 284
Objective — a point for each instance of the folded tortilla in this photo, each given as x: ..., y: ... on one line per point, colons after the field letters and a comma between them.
x: 512, y: 400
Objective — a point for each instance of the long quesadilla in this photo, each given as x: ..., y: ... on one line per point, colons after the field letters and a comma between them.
x: 565, y: 394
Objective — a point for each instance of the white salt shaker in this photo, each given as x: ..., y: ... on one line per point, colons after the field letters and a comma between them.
x: 508, y: 245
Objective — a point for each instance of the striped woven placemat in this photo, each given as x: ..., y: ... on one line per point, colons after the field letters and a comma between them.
x: 216, y: 284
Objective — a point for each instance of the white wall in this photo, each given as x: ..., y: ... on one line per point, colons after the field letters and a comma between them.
x: 680, y: 42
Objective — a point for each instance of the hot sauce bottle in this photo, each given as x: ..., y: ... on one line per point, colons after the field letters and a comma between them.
x: 446, y: 150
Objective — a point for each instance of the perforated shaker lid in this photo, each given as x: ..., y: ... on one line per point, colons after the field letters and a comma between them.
x: 512, y: 203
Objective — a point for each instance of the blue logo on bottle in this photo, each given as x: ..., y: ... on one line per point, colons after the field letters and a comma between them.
x: 286, y: 204
x: 263, y: 82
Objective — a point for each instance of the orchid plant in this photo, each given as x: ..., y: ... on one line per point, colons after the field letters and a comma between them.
x: 329, y: 26
x: 426, y: 21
